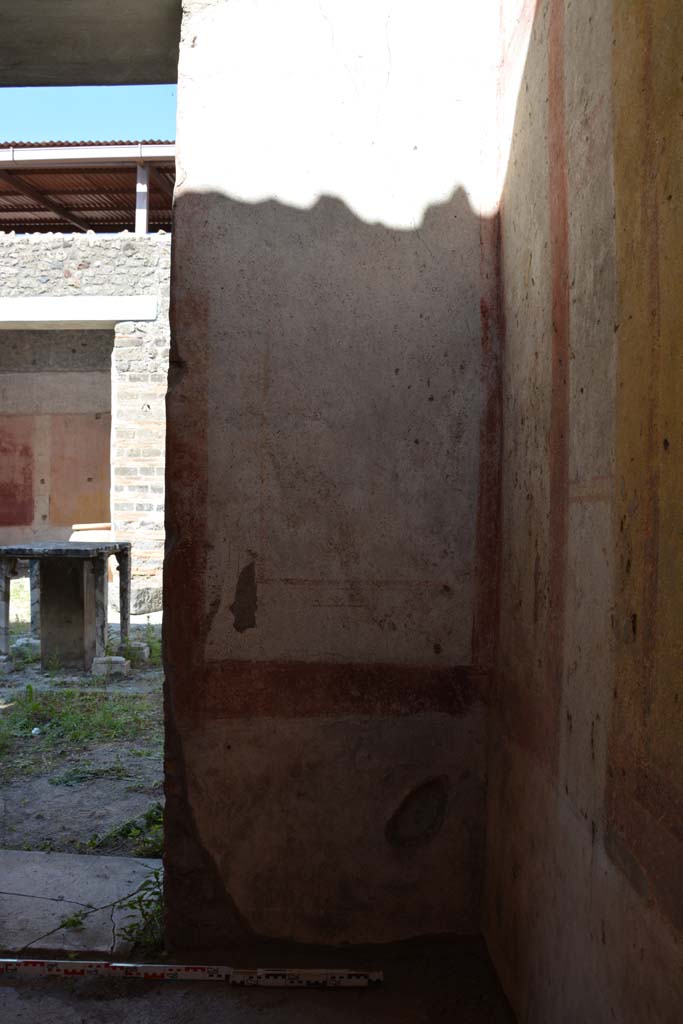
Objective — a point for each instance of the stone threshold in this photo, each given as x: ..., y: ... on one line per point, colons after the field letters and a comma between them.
x: 38, y: 891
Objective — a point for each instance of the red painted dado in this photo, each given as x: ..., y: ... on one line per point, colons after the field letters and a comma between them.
x: 254, y: 689
x: 16, y: 471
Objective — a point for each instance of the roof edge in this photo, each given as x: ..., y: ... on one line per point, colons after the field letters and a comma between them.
x: 105, y: 153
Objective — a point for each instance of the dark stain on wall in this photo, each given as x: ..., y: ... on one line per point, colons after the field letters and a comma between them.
x: 420, y: 815
x: 245, y: 604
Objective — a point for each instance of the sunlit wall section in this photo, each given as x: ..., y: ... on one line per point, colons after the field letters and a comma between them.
x: 332, y: 403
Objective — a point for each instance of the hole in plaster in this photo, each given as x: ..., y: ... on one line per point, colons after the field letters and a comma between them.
x: 420, y: 814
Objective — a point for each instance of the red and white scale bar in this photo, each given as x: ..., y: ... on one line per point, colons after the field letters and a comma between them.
x: 260, y: 976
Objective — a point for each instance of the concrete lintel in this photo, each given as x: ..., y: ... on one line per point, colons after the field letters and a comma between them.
x: 50, y: 312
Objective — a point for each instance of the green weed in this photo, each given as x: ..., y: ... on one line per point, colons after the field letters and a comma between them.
x: 137, y: 787
x: 53, y: 664
x: 76, y: 717
x: 75, y: 920
x: 70, y: 720
x: 23, y: 655
x: 146, y: 930
x: 81, y: 773
x: 146, y: 905
x: 153, y: 641
x: 5, y: 738
x: 145, y: 834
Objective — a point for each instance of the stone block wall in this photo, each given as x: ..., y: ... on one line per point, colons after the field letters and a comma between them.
x: 100, y: 265
x: 84, y: 264
x: 139, y: 370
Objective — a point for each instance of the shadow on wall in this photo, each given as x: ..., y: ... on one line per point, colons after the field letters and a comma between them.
x: 331, y: 441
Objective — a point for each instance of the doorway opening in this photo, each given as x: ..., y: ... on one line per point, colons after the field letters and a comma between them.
x: 84, y: 340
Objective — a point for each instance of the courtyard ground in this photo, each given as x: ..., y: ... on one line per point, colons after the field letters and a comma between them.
x: 81, y: 770
x: 81, y: 758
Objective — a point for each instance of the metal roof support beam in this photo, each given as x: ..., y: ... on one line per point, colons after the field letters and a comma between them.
x: 19, y: 185
x: 159, y: 181
x: 142, y: 200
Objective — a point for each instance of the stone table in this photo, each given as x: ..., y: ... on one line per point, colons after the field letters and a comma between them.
x: 73, y: 597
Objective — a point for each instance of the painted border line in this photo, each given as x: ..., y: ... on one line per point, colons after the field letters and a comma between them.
x: 264, y: 977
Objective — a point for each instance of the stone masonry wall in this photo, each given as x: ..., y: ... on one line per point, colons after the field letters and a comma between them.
x: 139, y: 369
x: 122, y: 264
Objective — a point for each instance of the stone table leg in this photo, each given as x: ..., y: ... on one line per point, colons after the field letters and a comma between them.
x: 100, y: 571
x: 68, y: 619
x: 4, y: 608
x: 123, y: 561
x: 34, y: 577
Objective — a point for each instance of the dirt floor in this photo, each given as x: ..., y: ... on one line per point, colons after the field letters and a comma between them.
x: 423, y: 983
x: 81, y: 772
x: 90, y: 782
x: 81, y: 759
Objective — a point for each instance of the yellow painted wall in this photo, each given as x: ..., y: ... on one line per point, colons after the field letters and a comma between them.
x: 645, y: 787
x: 584, y: 893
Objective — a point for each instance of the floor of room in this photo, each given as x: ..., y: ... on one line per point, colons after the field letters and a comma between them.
x: 423, y: 982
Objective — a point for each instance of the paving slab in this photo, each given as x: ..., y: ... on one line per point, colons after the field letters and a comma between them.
x: 40, y: 890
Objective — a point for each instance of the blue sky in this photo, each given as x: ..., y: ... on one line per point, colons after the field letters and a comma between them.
x: 90, y: 113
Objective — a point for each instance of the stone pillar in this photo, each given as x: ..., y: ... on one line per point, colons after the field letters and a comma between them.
x: 99, y: 569
x: 4, y: 607
x: 34, y: 583
x: 324, y: 422
x: 67, y: 604
x: 123, y: 561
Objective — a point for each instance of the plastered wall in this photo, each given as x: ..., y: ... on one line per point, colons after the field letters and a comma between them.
x: 55, y: 397
x: 583, y: 892
x: 331, y: 443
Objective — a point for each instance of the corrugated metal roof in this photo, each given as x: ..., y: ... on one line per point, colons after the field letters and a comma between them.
x: 109, y: 142
x: 99, y: 197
